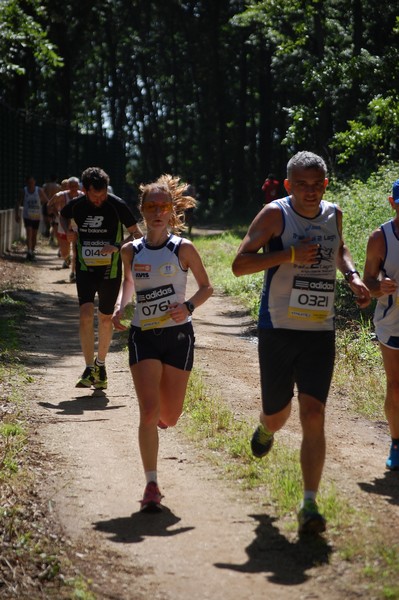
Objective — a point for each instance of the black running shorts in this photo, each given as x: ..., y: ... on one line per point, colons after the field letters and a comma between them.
x: 33, y: 223
x: 170, y: 345
x: 90, y: 283
x: 288, y: 357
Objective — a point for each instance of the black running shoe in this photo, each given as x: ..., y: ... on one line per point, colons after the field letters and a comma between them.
x: 100, y: 376
x: 87, y: 379
x: 262, y: 442
x: 310, y: 521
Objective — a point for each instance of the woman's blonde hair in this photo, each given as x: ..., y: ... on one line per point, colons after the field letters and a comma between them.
x: 175, y: 189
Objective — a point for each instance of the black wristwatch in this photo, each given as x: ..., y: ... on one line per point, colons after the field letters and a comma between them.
x: 349, y: 273
x: 190, y: 306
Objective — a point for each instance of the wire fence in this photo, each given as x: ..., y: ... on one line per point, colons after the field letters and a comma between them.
x: 33, y: 146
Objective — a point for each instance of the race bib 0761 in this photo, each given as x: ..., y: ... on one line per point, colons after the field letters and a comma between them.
x: 153, y: 305
x: 311, y: 299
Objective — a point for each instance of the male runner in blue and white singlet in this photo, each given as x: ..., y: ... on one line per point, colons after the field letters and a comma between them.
x: 301, y: 241
x: 381, y: 275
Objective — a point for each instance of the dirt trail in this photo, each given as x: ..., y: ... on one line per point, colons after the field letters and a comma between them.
x: 212, y: 540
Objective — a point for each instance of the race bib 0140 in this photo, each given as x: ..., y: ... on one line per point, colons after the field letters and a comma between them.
x: 92, y: 256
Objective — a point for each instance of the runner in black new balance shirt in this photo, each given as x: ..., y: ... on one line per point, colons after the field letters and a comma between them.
x: 97, y: 228
x: 98, y: 219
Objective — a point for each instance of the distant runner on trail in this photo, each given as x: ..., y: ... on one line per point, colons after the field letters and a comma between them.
x: 161, y: 338
x: 50, y: 188
x: 32, y: 198
x: 98, y: 218
x: 300, y: 238
x: 55, y: 205
x: 270, y: 188
x: 381, y: 275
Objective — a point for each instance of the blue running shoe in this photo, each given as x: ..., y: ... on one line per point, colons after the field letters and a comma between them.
x: 393, y: 458
x: 262, y: 442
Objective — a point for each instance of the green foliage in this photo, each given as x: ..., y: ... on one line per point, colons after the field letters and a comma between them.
x: 328, y: 51
x: 219, y: 93
x: 12, y: 433
x: 375, y: 134
x: 359, y: 373
x: 12, y: 311
x: 80, y: 589
x: 12, y: 442
x: 218, y: 254
x: 365, y: 206
x: 22, y: 35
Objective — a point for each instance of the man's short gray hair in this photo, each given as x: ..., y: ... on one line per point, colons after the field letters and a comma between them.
x: 73, y: 180
x: 306, y: 160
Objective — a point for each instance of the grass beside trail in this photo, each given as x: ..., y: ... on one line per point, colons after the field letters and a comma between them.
x: 34, y: 561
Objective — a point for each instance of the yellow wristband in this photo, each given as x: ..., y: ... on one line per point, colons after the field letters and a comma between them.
x: 292, y: 254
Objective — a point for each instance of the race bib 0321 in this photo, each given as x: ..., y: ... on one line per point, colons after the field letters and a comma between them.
x: 311, y: 299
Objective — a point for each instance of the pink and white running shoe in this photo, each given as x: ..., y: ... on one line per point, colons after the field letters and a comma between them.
x: 151, y: 501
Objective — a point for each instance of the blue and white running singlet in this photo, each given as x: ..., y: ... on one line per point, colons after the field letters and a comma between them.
x: 302, y: 296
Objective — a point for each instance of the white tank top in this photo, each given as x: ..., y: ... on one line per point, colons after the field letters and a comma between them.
x: 67, y: 198
x: 386, y: 315
x: 302, y: 297
x: 32, y: 205
x: 159, y: 280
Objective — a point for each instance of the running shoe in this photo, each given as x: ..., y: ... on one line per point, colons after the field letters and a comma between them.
x: 393, y: 458
x: 262, y: 442
x: 67, y: 263
x: 151, y: 501
x: 100, y: 376
x: 72, y: 277
x: 87, y: 379
x: 310, y: 520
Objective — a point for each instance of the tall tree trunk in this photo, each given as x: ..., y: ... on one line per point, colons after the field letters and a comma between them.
x: 267, y: 161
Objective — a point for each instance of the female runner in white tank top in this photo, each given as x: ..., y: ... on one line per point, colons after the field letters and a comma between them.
x: 161, y: 339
